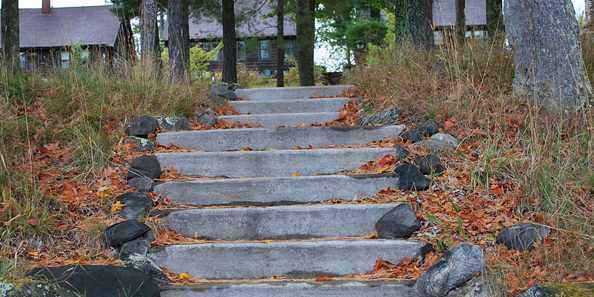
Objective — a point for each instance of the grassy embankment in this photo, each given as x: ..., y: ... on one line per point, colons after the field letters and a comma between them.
x: 509, y: 147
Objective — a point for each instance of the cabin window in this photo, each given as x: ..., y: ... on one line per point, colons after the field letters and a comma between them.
x: 23, y: 60
x: 290, y: 48
x: 85, y: 55
x: 241, y: 50
x: 65, y: 59
x: 264, y: 49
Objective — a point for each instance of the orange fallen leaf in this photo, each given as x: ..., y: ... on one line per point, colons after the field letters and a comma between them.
x: 117, y: 206
x: 296, y: 173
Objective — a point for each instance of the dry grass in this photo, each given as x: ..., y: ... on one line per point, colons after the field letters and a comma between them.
x: 548, y: 157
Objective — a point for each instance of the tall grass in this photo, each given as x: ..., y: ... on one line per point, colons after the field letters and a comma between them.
x: 548, y: 156
x: 84, y: 109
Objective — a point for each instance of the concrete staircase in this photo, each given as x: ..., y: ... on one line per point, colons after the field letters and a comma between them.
x: 269, y: 221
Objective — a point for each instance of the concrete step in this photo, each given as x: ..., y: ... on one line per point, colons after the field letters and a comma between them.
x: 279, y: 138
x: 273, y: 120
x: 273, y: 190
x: 295, y: 259
x: 289, y: 106
x: 291, y: 92
x: 279, y: 222
x: 295, y: 289
x: 269, y: 163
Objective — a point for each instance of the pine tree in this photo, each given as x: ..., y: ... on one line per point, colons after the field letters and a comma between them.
x: 179, y: 40
x: 10, y: 34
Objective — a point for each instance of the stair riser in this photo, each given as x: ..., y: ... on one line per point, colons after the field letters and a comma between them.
x: 273, y: 191
x: 345, y: 289
x: 270, y: 163
x: 289, y: 106
x: 291, y: 92
x: 293, y: 222
x: 293, y: 259
x: 283, y: 119
x: 281, y: 138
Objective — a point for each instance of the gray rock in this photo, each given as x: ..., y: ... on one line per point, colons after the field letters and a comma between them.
x: 400, y: 222
x: 146, y: 265
x: 401, y: 152
x: 430, y: 164
x: 175, y: 123
x: 522, y: 236
x: 549, y: 66
x: 125, y: 231
x: 138, y: 246
x: 438, y: 143
x: 412, y: 135
x: 221, y: 92
x: 388, y: 117
x: 207, y: 117
x: 141, y: 144
x: 538, y: 291
x: 138, y: 205
x: 411, y: 178
x: 428, y: 128
x: 100, y: 280
x: 142, y: 126
x: 141, y: 184
x: 145, y: 166
x: 476, y: 287
x: 38, y: 289
x: 457, y: 266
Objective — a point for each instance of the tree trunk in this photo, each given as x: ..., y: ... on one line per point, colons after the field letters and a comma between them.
x: 280, y: 43
x: 125, y: 52
x: 306, y: 41
x: 494, y: 17
x: 149, y: 37
x: 229, y: 42
x: 10, y: 34
x: 179, y: 40
x: 552, y: 73
x: 460, y: 22
x: 414, y: 21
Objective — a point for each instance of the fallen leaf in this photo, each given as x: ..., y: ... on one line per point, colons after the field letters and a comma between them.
x: 184, y: 276
x: 296, y: 173
x: 117, y: 206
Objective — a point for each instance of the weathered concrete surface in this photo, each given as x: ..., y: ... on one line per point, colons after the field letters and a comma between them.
x: 294, y: 289
x: 273, y: 191
x: 289, y: 106
x: 279, y: 138
x: 273, y: 120
x: 270, y: 163
x: 280, y: 222
x: 289, y: 258
x: 291, y: 92
x: 545, y: 37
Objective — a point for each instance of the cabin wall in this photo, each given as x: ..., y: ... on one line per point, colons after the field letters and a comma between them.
x: 56, y: 58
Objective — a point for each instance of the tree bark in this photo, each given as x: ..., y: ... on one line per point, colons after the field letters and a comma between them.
x: 229, y: 42
x: 179, y: 40
x: 10, y: 34
x: 460, y: 22
x: 547, y: 53
x: 280, y: 43
x: 125, y: 52
x: 414, y: 23
x: 305, y: 20
x: 494, y: 17
x: 149, y: 38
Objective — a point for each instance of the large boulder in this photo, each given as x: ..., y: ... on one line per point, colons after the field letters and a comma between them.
x: 100, y: 280
x: 145, y: 166
x: 175, y: 123
x: 388, y: 117
x: 38, y: 289
x: 411, y: 178
x: 522, y: 237
x: 141, y: 184
x: 222, y: 92
x: 120, y: 233
x: 400, y: 222
x: 439, y: 142
x: 457, y: 266
x: 549, y: 66
x: 561, y: 290
x: 430, y: 164
x: 208, y: 117
x: 138, y: 205
x: 142, y: 126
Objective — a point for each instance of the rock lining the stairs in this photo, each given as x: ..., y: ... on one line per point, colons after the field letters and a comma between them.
x: 400, y: 222
x: 142, y: 126
x: 145, y: 166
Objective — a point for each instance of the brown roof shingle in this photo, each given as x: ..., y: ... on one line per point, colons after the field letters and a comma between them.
x: 65, y: 26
